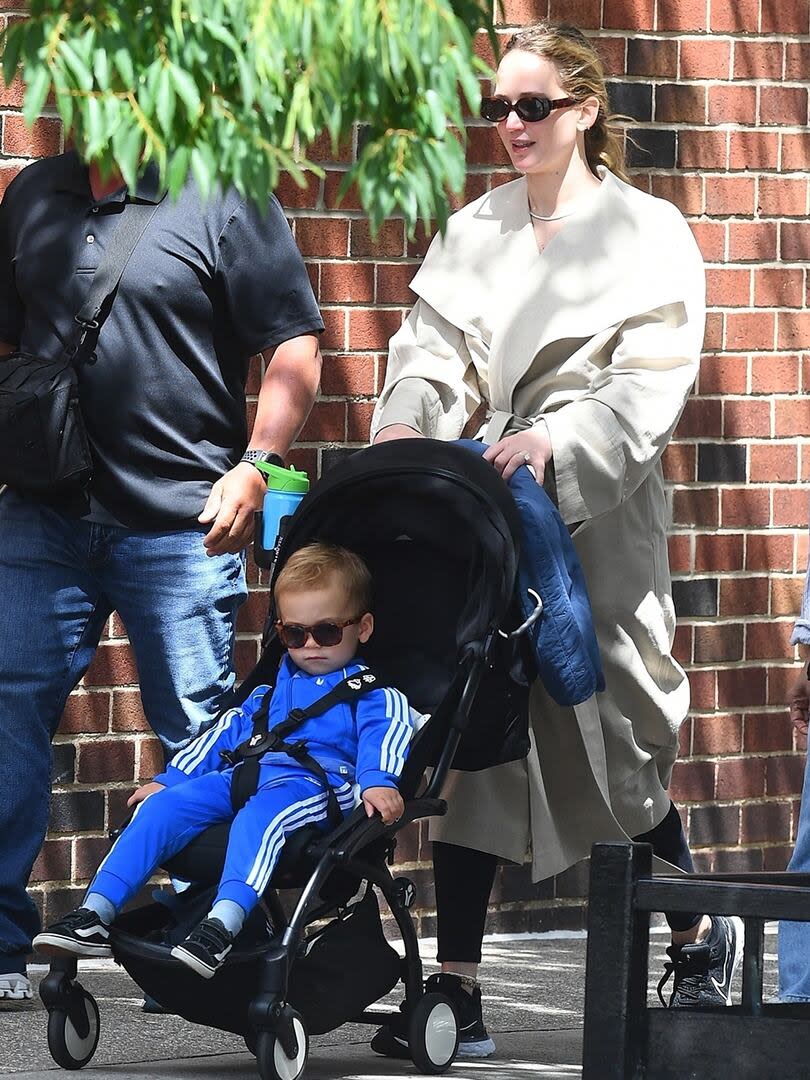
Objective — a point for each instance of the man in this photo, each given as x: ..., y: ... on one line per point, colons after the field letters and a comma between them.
x: 160, y: 532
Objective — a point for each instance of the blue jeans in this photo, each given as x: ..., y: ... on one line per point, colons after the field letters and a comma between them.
x: 60, y: 579
x: 794, y: 937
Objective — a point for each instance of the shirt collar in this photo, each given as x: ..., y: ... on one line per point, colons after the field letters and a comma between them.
x: 74, y: 178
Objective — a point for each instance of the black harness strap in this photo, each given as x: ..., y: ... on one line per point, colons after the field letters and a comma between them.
x: 247, y: 756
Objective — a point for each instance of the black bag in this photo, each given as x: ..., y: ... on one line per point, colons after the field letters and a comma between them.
x: 43, y: 442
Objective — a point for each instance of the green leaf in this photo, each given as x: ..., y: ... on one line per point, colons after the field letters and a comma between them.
x: 126, y: 68
x: 186, y: 90
x: 76, y: 66
x: 11, y: 43
x: 37, y: 87
x: 165, y: 102
x: 178, y: 169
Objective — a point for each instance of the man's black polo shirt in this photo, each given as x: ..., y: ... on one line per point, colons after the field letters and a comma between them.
x: 210, y: 284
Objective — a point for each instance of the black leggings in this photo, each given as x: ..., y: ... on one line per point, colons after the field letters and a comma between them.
x: 464, y: 880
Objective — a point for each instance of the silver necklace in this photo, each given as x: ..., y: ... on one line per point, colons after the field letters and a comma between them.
x: 553, y: 217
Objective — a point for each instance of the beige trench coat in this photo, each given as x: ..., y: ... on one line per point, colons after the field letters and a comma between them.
x: 599, y: 338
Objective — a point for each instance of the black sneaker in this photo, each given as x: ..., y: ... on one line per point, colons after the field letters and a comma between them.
x: 205, y: 948
x: 82, y: 932
x: 474, y: 1040
x: 703, y: 972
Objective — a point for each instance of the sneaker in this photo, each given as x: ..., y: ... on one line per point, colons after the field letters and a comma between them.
x: 473, y: 1041
x: 82, y: 932
x: 205, y: 948
x: 15, y: 986
x: 703, y: 973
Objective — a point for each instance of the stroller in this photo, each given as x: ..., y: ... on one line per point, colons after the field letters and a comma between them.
x: 439, y: 531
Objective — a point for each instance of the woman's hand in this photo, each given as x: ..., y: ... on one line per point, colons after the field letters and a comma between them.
x: 396, y: 431
x: 530, y: 447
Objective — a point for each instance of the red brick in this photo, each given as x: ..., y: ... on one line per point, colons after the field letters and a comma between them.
x: 780, y: 684
x: 346, y: 282
x: 734, y: 15
x: 475, y: 184
x: 680, y: 553
x: 778, y: 287
x: 792, y: 417
x: 628, y: 14
x: 711, y: 239
x: 699, y: 149
x: 727, y: 288
x: 775, y: 374
x: 290, y: 195
x: 696, y: 506
x: 388, y: 243
x: 612, y: 53
x: 334, y: 335
x: 751, y: 330
x: 53, y: 862
x: 790, y: 506
x: 794, y: 329
x: 758, y: 59
x: 767, y: 640
x: 704, y: 58
x: 680, y: 462
x: 743, y: 596
x: 797, y: 60
x: 693, y: 781
x: 740, y: 778
x: 746, y: 418
x: 773, y: 463
x: 112, y: 666
x: 682, y: 645
x: 359, y: 423
x: 685, y: 191
x: 753, y: 150
x: 418, y: 245
x: 719, y: 734
x: 744, y: 507
x: 783, y: 105
x: 732, y: 104
x: 712, y: 825
x: 713, y: 335
x: 703, y: 688
x: 348, y: 375
x: 752, y: 241
x: 331, y: 187
x: 151, y: 759
x: 728, y: 195
x: 245, y: 657
x: 393, y: 283
x: 484, y: 147
x: 42, y: 140
x: 252, y: 613
x: 765, y: 822
x: 685, y: 15
x: 585, y: 14
x: 701, y: 418
x: 11, y: 97
x: 786, y: 597
x: 724, y: 374
x: 88, y: 853
x: 517, y: 12
x: 795, y: 245
x: 767, y: 732
x: 653, y: 56
x: 721, y: 643
x: 321, y: 149
x: 796, y: 151
x: 322, y: 237
x: 106, y: 760
x: 721, y: 551
x: 785, y: 17
x: 777, y: 857
x: 680, y: 102
x: 373, y: 328
x: 86, y: 713
x: 768, y: 551
x: 782, y: 197
x: 326, y: 423
x: 7, y: 174
x: 785, y: 774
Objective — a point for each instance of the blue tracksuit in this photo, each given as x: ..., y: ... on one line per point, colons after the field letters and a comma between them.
x: 366, y: 742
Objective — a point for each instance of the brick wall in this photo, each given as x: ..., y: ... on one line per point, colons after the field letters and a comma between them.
x: 718, y: 94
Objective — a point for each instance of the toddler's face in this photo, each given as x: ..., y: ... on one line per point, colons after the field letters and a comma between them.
x: 325, y: 605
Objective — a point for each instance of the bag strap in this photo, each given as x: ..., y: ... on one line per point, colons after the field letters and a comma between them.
x: 134, y: 219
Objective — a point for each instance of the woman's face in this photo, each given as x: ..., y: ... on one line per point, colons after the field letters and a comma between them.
x: 545, y: 146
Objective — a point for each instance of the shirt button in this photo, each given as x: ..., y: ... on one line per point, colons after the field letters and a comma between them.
x: 95, y: 210
x: 91, y: 239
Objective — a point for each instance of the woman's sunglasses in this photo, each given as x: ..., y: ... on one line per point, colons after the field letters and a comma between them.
x: 530, y: 109
x: 325, y: 634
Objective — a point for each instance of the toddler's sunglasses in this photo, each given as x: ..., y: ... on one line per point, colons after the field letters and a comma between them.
x: 530, y: 109
x: 325, y: 634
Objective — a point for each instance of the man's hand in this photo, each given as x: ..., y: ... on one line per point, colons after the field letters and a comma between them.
x: 144, y: 792
x: 385, y: 799
x: 530, y: 447
x: 799, y: 694
x: 234, y: 499
x: 396, y: 431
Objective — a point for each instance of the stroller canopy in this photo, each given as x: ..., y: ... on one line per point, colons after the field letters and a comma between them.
x: 440, y: 533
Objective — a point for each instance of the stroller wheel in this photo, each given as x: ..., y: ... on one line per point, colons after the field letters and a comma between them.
x: 272, y: 1059
x: 73, y: 1034
x: 433, y: 1034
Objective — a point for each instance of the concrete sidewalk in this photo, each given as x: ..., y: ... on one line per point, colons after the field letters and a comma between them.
x: 533, y: 988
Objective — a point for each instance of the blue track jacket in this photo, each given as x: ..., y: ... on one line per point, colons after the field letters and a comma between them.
x: 366, y: 741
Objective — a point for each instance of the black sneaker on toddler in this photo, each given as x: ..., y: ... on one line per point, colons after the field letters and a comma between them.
x: 473, y: 1041
x: 703, y: 972
x: 205, y: 948
x: 81, y: 932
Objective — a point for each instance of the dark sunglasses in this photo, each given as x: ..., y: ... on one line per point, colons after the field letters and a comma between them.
x: 326, y: 634
x: 530, y: 109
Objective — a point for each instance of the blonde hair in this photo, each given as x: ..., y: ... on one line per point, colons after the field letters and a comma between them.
x: 316, y: 566
x: 582, y: 75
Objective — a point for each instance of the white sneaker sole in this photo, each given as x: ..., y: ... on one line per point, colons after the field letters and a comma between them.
x: 55, y: 943
x: 15, y: 988
x: 193, y: 962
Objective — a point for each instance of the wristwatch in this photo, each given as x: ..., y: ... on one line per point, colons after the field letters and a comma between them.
x: 255, y: 456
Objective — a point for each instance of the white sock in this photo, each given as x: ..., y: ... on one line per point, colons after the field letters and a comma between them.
x: 104, y: 908
x: 229, y: 913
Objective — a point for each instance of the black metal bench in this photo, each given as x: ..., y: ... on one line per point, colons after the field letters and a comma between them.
x: 626, y: 1040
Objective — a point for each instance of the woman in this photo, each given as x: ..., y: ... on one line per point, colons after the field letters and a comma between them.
x: 568, y: 308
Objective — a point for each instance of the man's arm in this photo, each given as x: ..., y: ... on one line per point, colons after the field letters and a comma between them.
x: 289, y: 386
